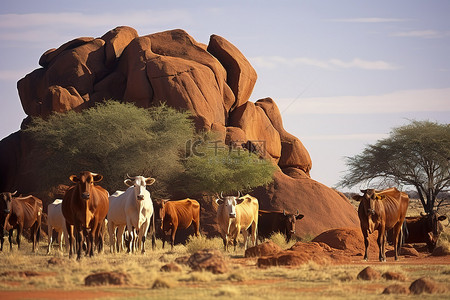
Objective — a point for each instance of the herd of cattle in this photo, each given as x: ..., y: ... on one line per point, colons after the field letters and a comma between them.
x: 87, y: 209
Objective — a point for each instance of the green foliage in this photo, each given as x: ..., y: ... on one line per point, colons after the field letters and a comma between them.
x: 413, y: 155
x: 113, y: 139
x: 213, y: 167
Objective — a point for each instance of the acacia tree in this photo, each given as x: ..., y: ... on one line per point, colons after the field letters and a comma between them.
x: 116, y: 139
x: 414, y: 155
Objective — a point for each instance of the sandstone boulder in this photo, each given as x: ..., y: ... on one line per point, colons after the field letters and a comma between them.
x: 241, y: 77
x: 322, y: 207
x: 293, y: 153
x: 258, y: 129
x: 264, y: 249
x: 107, y: 278
x: 425, y: 285
x: 208, y: 260
x: 369, y: 273
x: 396, y: 289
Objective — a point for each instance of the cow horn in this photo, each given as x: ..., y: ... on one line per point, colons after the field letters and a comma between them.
x: 284, y: 212
x: 221, y: 196
x: 297, y: 212
x: 239, y: 194
x: 12, y: 194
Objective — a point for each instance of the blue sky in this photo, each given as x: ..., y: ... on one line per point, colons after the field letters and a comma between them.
x: 343, y: 73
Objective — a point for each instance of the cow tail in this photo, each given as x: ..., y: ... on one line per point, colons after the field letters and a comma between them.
x: 153, y: 231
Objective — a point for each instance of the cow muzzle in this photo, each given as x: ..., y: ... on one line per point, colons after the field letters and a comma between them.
x: 140, y: 197
x: 7, y: 211
x: 85, y: 195
x: 232, y: 216
x: 371, y: 211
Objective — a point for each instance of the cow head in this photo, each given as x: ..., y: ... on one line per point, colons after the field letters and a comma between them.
x: 85, y: 181
x: 368, y: 200
x: 139, y: 183
x: 160, y: 210
x: 5, y: 202
x: 290, y: 220
x: 229, y: 204
x: 433, y: 227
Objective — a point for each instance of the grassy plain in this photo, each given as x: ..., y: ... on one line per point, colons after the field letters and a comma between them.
x: 24, y: 275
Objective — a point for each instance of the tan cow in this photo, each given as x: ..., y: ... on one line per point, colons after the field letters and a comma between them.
x: 235, y: 215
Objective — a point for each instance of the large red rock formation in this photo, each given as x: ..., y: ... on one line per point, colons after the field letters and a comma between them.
x: 214, y: 82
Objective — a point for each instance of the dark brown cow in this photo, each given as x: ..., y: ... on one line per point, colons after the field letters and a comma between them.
x: 85, y: 207
x: 175, y: 215
x: 21, y: 213
x: 380, y: 211
x: 425, y: 228
x: 270, y: 222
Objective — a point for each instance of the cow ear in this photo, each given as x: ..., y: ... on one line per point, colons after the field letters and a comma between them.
x: 128, y: 182
x: 240, y: 200
x: 97, y: 177
x: 150, y: 181
x: 219, y: 201
x: 73, y: 178
x: 442, y: 218
x: 164, y: 201
x: 299, y: 217
x: 377, y: 197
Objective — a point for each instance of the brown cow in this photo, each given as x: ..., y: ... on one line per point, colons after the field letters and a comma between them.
x: 380, y: 211
x: 85, y: 207
x: 277, y: 221
x: 175, y: 215
x: 21, y: 213
x: 425, y: 228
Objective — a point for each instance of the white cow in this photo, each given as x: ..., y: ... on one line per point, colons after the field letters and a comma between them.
x: 235, y: 215
x: 56, y: 220
x: 132, y: 208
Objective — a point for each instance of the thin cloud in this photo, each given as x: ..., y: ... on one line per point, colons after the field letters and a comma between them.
x: 357, y: 63
x: 145, y: 17
x: 346, y: 137
x: 400, y: 101
x: 425, y: 34
x: 368, y: 20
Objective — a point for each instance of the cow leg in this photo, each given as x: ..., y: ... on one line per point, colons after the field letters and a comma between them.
x: 10, y: 239
x: 119, y: 238
x: 112, y: 237
x: 59, y: 240
x: 366, y: 244
x: 19, y: 232
x: 172, y: 239
x: 70, y: 238
x: 245, y: 235
x: 2, y: 238
x: 381, y: 240
x: 50, y: 233
x: 79, y: 246
x: 33, y: 231
x: 397, y: 232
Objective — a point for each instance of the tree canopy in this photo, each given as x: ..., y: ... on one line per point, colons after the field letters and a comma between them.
x: 116, y: 139
x: 414, y: 155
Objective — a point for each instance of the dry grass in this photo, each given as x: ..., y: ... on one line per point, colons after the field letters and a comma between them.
x: 244, y: 280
